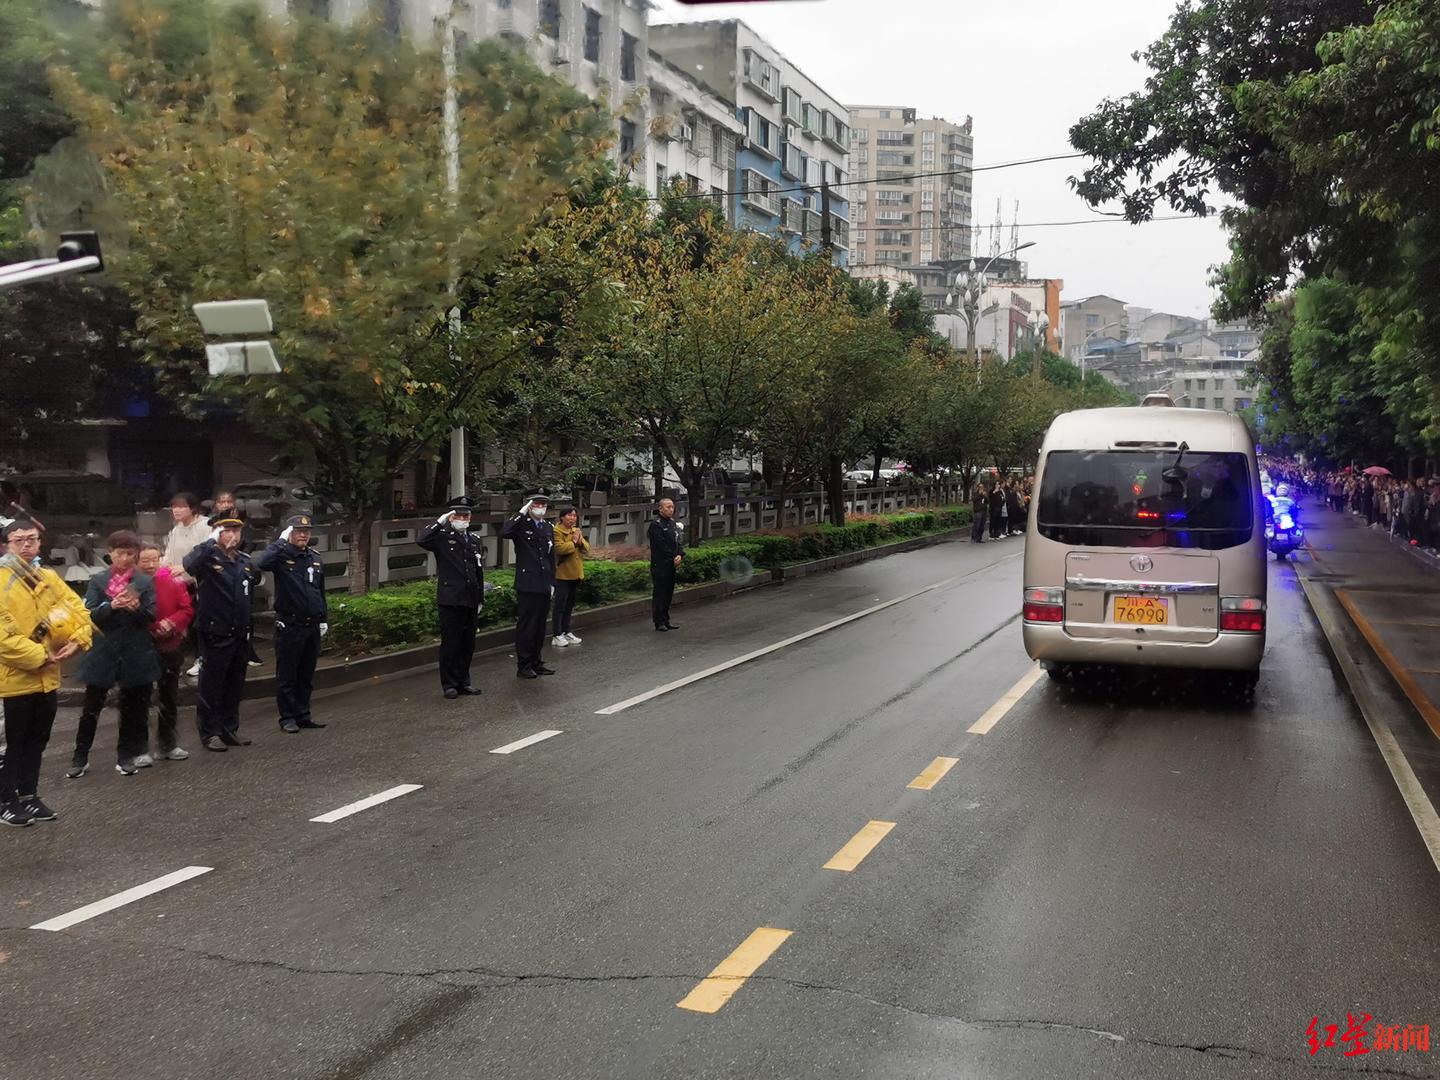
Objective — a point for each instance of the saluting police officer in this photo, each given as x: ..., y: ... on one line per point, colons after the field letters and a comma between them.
x: 667, y: 551
x: 300, y: 620
x: 460, y: 562
x: 534, y: 540
x: 225, y: 579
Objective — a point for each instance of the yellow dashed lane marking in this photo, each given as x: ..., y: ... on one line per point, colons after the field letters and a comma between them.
x: 934, y: 773
x: 860, y: 845
x: 1007, y: 702
x: 721, y: 984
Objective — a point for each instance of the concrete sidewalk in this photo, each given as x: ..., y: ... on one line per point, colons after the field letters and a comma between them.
x: 1391, y: 594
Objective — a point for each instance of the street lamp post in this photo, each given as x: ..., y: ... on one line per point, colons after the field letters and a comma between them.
x: 1085, y: 345
x: 968, y: 289
x: 1037, y: 324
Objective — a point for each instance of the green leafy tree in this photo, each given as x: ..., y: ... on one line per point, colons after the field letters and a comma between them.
x: 303, y: 162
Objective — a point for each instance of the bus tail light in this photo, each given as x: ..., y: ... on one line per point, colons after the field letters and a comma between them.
x: 1243, y: 613
x: 1045, y: 605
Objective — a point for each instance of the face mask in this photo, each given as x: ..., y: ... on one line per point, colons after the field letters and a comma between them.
x: 459, y: 526
x: 537, y: 512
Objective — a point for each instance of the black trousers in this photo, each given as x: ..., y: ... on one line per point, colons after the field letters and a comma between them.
x: 28, y: 720
x: 297, y: 651
x: 564, y: 606
x: 977, y: 529
x: 167, y: 694
x: 662, y: 591
x: 530, y: 628
x: 457, y: 644
x: 134, y: 720
x: 994, y: 524
x: 222, y: 682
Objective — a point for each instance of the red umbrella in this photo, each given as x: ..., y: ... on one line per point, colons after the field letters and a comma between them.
x: 1377, y: 470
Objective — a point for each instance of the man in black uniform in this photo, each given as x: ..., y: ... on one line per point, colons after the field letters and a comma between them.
x: 460, y: 564
x: 534, y: 540
x: 225, y: 579
x: 300, y: 620
x: 667, y: 551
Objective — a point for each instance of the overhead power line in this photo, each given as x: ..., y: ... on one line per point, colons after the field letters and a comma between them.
x: 902, y: 179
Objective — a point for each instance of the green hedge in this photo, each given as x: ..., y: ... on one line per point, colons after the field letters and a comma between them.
x: 398, y: 615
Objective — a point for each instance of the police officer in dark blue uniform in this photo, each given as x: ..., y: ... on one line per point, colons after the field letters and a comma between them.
x: 460, y: 563
x: 667, y: 552
x: 300, y: 620
x: 225, y: 579
x: 534, y: 540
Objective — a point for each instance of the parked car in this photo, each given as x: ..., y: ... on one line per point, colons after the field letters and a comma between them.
x: 271, y: 500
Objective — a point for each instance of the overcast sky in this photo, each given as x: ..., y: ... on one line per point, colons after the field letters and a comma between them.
x: 1025, y: 71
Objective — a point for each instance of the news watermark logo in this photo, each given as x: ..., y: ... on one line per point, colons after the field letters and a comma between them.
x: 1363, y: 1036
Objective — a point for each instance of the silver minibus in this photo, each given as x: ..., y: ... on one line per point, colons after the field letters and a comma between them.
x: 1146, y: 543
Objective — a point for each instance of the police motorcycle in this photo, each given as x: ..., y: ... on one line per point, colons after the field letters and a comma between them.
x: 1283, y: 531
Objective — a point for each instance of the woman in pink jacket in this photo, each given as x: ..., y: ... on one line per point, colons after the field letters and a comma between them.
x: 173, y: 611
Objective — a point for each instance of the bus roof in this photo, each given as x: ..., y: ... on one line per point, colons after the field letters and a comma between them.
x: 1097, y: 429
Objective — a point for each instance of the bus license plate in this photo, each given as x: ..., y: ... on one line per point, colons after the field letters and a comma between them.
x: 1144, y: 610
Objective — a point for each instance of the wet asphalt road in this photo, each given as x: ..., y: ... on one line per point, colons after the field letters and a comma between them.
x: 1141, y: 879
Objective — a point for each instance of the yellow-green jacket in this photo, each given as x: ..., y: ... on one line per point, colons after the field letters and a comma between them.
x: 39, y: 613
x: 570, y: 548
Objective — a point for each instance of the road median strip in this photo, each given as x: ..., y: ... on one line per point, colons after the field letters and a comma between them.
x: 1008, y: 701
x: 933, y: 773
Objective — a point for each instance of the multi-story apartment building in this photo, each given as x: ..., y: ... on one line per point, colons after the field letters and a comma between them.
x: 900, y: 219
x: 694, y: 135
x: 1085, y: 321
x: 1213, y: 383
x: 796, y: 135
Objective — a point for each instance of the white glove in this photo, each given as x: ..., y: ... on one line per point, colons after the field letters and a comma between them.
x: 324, y: 628
x: 443, y: 518
x: 214, y: 534
x: 286, y: 534
x: 525, y: 510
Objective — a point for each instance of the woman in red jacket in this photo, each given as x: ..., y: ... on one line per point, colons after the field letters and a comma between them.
x: 173, y: 611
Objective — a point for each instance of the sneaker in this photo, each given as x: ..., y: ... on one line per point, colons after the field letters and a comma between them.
x: 37, y: 810
x: 574, y: 638
x: 144, y: 761
x: 214, y: 742
x: 126, y: 767
x: 194, y: 671
x: 560, y: 641
x: 15, y: 815
x: 175, y: 754
x: 254, y: 663
x: 289, y: 726
x: 79, y: 766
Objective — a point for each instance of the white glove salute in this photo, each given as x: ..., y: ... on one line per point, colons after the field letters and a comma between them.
x: 214, y: 533
x: 286, y: 534
x: 443, y: 518
x: 324, y: 628
x: 525, y: 510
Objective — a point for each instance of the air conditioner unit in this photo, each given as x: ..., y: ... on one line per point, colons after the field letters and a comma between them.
x: 562, y: 52
x: 687, y: 133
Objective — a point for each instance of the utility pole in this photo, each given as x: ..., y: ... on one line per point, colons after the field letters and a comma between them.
x: 451, y: 121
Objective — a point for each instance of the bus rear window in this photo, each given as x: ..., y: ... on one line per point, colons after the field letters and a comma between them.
x: 1126, y: 498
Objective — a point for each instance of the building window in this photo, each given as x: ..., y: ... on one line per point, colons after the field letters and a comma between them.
x: 862, y: 135
x: 627, y: 140
x: 1092, y: 320
x: 659, y: 179
x: 893, y: 198
x: 927, y: 137
x: 550, y: 18
x: 894, y: 138
x: 1199, y: 384
x: 762, y: 133
x: 627, y: 57
x: 758, y: 191
x: 862, y: 157
x: 694, y: 185
x: 793, y: 108
x: 762, y: 75
x: 1242, y: 403
x: 927, y: 199
x: 717, y: 143
x: 884, y: 114
x: 1199, y: 403
x: 592, y: 36
x: 1187, y: 384
x: 927, y: 157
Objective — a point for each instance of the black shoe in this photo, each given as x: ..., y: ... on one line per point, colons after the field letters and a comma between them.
x: 15, y: 815
x: 290, y: 727
x: 233, y: 738
x: 214, y: 742
x: 472, y: 690
x: 307, y: 723
x: 526, y: 673
x: 671, y: 626
x: 37, y: 810
x: 451, y: 693
x: 541, y: 669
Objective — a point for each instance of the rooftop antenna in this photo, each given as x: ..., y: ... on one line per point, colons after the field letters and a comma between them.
x: 995, y: 231
x: 1015, y: 228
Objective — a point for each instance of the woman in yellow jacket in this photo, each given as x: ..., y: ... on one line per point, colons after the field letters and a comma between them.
x: 42, y: 624
x: 570, y: 551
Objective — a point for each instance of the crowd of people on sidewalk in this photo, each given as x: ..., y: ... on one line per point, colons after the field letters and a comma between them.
x: 156, y: 603
x: 1003, y: 504
x: 1406, y: 509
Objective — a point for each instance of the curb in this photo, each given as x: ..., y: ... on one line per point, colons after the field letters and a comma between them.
x: 500, y: 639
